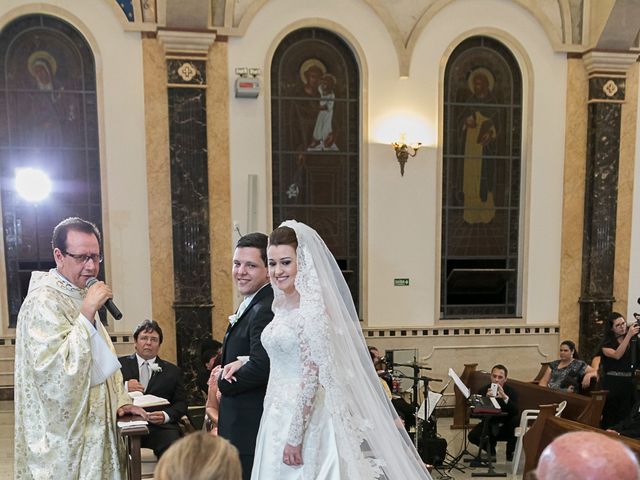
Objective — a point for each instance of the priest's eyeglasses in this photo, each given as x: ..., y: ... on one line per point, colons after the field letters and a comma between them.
x: 84, y: 258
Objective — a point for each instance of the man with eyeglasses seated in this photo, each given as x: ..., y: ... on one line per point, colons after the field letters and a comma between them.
x: 68, y: 386
x: 147, y: 373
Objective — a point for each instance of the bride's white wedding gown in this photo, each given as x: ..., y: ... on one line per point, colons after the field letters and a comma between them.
x: 293, y: 386
x: 323, y: 391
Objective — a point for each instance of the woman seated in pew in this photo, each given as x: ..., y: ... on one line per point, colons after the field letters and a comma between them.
x: 564, y: 373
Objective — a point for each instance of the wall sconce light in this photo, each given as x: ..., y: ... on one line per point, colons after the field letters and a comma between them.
x: 404, y: 151
x: 247, y: 83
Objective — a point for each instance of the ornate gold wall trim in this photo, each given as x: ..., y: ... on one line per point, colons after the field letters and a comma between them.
x: 471, y: 331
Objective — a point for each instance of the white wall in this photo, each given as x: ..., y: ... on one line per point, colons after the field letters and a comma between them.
x: 120, y: 85
x: 403, y: 213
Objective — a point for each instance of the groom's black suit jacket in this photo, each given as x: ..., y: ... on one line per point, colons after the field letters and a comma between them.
x: 241, y: 402
x: 169, y: 384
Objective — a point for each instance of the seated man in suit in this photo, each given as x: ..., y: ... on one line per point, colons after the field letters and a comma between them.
x: 145, y: 372
x: 500, y: 427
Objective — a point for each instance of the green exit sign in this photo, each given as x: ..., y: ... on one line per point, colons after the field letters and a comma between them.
x: 400, y: 282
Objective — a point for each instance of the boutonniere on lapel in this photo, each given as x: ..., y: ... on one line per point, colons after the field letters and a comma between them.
x: 155, y: 368
x: 233, y: 319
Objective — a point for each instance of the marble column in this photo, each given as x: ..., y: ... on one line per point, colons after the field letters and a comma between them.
x: 188, y: 158
x: 607, y: 84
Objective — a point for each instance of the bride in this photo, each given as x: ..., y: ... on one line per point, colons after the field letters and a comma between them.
x: 325, y: 413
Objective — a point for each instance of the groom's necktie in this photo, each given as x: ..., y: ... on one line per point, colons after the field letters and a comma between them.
x: 242, y: 307
x: 145, y: 374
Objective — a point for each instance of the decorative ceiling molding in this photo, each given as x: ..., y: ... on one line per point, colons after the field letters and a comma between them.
x: 405, y: 42
x: 571, y: 26
x: 179, y: 41
x: 610, y: 62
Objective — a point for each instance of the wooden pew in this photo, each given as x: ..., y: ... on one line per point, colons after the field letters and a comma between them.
x: 547, y: 427
x: 581, y: 408
x: 540, y: 374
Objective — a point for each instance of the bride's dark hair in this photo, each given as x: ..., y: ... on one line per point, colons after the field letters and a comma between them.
x: 283, y: 236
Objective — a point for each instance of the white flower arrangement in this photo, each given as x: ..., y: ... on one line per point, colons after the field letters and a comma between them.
x: 155, y: 368
x: 233, y: 319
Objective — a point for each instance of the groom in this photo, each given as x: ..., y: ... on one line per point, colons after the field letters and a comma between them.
x: 241, y: 402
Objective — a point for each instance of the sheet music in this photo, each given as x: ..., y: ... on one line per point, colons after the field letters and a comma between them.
x: 434, y: 398
x: 461, y: 386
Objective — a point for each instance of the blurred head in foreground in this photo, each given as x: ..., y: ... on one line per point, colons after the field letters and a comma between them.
x: 587, y: 456
x: 199, y: 456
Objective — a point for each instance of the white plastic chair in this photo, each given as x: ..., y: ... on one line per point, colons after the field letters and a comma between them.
x: 527, y: 417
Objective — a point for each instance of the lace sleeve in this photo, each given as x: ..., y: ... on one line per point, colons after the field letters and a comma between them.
x: 312, y: 334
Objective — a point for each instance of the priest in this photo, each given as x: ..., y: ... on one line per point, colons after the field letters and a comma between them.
x: 68, y: 387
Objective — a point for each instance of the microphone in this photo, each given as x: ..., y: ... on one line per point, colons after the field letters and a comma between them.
x: 113, y: 310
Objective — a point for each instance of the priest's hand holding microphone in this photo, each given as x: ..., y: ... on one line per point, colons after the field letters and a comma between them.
x: 98, y: 294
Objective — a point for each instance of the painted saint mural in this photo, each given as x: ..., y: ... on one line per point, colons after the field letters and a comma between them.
x: 479, y: 134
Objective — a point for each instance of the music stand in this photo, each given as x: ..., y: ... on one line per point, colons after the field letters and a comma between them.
x: 453, y: 463
x: 430, y: 413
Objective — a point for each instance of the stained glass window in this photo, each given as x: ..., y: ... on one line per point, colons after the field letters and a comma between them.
x: 315, y: 124
x: 481, y: 193
x: 48, y: 121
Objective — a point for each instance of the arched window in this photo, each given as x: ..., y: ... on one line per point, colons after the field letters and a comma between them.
x: 49, y: 122
x: 315, y: 105
x: 481, y: 194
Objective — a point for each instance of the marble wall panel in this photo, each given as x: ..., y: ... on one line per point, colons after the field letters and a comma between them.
x: 601, y: 198
x: 573, y: 203
x: 625, y: 192
x: 219, y: 187
x: 188, y: 158
x: 159, y: 192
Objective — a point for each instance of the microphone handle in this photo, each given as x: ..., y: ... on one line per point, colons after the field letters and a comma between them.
x: 109, y: 305
x: 113, y: 310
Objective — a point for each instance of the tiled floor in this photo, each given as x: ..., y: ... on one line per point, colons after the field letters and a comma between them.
x: 454, y: 440
x: 454, y: 447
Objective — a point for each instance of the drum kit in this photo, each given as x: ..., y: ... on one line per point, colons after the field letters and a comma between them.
x: 431, y: 447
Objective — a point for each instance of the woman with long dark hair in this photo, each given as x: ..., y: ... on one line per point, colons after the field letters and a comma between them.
x: 568, y: 370
x: 617, y: 368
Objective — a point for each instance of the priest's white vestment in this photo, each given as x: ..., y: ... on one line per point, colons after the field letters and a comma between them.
x: 67, y: 391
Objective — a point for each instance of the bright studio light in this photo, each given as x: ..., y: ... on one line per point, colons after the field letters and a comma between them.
x: 32, y: 184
